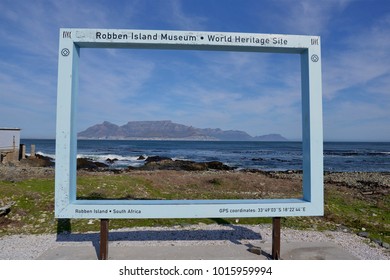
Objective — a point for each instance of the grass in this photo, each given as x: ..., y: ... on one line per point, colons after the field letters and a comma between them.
x: 33, y: 208
x: 33, y: 211
x: 359, y: 213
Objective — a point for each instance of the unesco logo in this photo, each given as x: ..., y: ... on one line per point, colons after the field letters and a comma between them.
x: 65, y: 52
x: 315, y: 58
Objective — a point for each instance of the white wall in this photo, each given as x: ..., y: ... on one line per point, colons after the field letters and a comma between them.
x: 8, y: 137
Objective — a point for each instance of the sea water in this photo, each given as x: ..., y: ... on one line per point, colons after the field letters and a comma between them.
x: 268, y: 156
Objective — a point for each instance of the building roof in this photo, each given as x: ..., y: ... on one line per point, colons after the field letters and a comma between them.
x: 9, y: 128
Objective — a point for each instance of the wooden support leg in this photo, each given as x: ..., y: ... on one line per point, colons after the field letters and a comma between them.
x: 276, y: 238
x: 103, y: 239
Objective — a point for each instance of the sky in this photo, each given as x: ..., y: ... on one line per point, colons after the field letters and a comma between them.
x: 254, y: 92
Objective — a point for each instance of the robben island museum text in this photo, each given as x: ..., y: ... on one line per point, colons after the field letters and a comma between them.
x: 192, y: 38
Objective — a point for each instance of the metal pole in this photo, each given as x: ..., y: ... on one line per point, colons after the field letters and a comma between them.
x: 103, y: 239
x: 276, y: 238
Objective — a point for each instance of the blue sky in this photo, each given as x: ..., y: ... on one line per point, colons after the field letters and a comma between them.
x: 255, y: 92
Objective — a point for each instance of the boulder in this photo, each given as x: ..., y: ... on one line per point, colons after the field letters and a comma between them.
x: 84, y: 163
x: 37, y: 161
x: 44, y: 157
x: 217, y: 165
x: 4, y: 210
x: 363, y: 234
x: 157, y: 159
x: 111, y: 161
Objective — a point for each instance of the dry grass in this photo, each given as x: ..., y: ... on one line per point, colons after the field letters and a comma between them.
x: 187, y: 185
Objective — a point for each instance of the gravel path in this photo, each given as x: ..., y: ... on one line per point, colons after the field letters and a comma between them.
x: 28, y: 247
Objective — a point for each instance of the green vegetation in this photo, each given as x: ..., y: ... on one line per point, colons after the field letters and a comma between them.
x: 33, y: 211
x: 355, y: 213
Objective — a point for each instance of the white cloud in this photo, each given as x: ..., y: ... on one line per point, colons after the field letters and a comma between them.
x: 259, y: 93
x: 307, y: 17
x: 363, y: 57
x: 176, y: 16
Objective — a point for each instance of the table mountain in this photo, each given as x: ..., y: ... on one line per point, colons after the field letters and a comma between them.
x: 167, y: 130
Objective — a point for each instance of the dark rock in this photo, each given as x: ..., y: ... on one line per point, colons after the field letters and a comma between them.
x: 363, y: 234
x: 44, y: 157
x: 217, y: 165
x: 38, y: 161
x: 111, y: 161
x: 255, y: 250
x: 159, y: 163
x: 141, y: 158
x: 84, y: 163
x: 257, y: 159
x: 4, y: 210
x: 157, y: 159
x: 191, y: 165
x: 385, y: 245
x: 378, y: 241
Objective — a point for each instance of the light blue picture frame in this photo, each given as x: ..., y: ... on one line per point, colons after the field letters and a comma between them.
x: 73, y: 40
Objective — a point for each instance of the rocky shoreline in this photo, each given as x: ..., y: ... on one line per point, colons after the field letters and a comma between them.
x: 368, y: 183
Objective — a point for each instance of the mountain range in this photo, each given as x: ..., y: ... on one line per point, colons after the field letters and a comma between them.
x: 168, y: 130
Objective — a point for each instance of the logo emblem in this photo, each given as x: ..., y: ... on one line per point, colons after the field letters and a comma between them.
x: 65, y: 52
x: 315, y: 58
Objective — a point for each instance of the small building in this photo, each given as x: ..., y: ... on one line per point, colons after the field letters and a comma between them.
x: 9, y: 144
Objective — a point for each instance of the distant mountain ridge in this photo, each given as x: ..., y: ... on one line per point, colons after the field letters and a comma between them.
x: 168, y: 130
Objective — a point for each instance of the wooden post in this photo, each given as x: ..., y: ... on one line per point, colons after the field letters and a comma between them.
x: 276, y: 238
x: 103, y: 254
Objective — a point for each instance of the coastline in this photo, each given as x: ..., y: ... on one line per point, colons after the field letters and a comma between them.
x: 277, y: 156
x: 354, y: 179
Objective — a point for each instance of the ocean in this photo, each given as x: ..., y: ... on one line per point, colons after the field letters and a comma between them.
x: 267, y: 156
